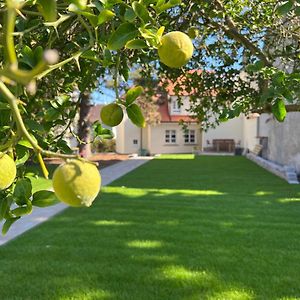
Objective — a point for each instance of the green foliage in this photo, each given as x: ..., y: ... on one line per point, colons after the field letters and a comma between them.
x: 279, y: 110
x: 135, y: 114
x: 44, y: 199
x: 132, y: 94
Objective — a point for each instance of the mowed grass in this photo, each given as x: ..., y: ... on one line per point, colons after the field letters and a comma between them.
x: 177, y: 228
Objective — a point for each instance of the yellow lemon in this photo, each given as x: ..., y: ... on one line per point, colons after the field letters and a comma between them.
x: 176, y: 49
x: 8, y: 171
x: 77, y: 183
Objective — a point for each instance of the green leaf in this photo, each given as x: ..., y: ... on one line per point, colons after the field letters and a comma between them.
x: 136, y: 44
x: 22, y: 191
x: 91, y: 55
x: 23, y: 210
x: 105, y: 16
x: 28, y: 57
x: 64, y: 147
x: 141, y: 11
x: 132, y: 94
x: 81, y: 4
x: 38, y: 53
x: 257, y: 66
x: 93, y: 19
x: 124, y: 33
x: 22, y: 155
x: 52, y: 114
x: 110, y: 3
x: 44, y: 199
x: 48, y: 9
x: 129, y: 15
x: 4, y: 207
x: 26, y: 143
x: 160, y: 31
x: 279, y: 110
x: 101, y: 132
x: 135, y: 115
x: 8, y: 224
x: 285, y: 8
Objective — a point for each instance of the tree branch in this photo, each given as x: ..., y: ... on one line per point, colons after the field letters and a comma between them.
x: 232, y: 31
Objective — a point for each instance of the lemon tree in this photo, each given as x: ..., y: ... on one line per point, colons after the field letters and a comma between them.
x: 49, y: 50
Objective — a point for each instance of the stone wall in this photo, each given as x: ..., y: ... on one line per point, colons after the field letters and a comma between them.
x: 283, y: 139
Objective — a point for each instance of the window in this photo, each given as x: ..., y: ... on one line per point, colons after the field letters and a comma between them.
x: 176, y: 107
x: 170, y: 136
x: 190, y: 137
x: 135, y: 142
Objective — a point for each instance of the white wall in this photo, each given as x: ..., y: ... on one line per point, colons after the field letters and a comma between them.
x: 250, y: 133
x: 232, y: 129
x: 126, y: 133
x: 158, y: 144
x: 242, y: 130
x: 183, y: 108
x: 283, y: 139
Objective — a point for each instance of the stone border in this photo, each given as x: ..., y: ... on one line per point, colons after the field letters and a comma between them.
x: 286, y: 172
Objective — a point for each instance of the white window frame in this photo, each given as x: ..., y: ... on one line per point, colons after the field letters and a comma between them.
x: 170, y: 136
x: 190, y: 136
x: 176, y: 108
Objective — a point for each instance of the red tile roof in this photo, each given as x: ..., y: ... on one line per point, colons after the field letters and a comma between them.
x: 167, y: 118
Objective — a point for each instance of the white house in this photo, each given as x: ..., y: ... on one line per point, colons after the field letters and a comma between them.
x: 169, y: 137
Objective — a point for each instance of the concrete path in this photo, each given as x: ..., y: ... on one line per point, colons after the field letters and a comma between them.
x: 39, y: 215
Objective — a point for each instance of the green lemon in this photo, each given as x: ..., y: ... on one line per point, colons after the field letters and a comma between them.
x: 8, y: 171
x: 176, y: 49
x: 77, y: 183
x: 112, y: 114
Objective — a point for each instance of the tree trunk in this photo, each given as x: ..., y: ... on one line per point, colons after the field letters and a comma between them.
x: 84, y: 126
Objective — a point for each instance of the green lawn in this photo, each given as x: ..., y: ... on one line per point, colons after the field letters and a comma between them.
x: 174, y: 229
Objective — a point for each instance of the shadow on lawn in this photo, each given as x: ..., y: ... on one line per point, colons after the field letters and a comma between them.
x: 166, y: 239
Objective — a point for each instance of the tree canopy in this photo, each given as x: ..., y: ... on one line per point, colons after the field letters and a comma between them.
x: 246, y: 58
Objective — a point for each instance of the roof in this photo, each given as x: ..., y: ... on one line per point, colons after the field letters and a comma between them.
x: 179, y: 87
x: 167, y: 118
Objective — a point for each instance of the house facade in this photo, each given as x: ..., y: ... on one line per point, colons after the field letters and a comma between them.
x: 166, y: 137
x: 169, y: 136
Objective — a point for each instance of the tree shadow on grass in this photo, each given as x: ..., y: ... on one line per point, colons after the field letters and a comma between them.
x: 166, y: 241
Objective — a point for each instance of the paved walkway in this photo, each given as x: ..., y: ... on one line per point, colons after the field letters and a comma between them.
x: 40, y: 215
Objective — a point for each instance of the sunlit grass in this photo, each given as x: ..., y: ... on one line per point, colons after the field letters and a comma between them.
x: 211, y: 228
x: 177, y: 156
x: 144, y: 244
x: 111, y: 223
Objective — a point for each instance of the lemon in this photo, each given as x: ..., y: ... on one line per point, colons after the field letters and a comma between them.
x: 8, y: 171
x: 176, y: 49
x: 77, y: 183
x: 193, y: 32
x: 111, y: 114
